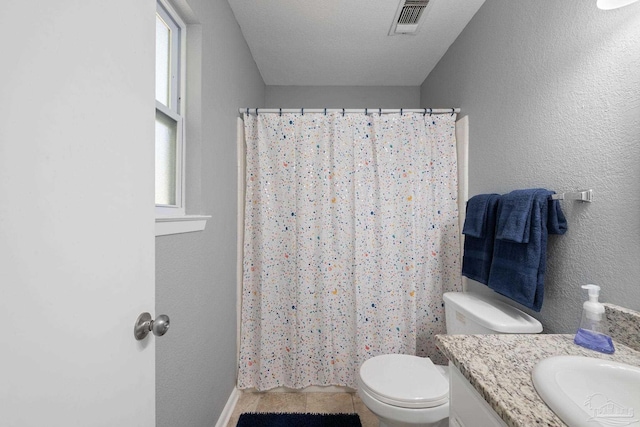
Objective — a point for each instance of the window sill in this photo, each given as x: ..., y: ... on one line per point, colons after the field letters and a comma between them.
x: 180, y: 224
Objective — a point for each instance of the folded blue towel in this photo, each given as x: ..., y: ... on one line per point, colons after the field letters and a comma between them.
x: 556, y: 221
x: 519, y: 256
x: 479, y: 229
x: 514, y: 215
x: 475, y: 222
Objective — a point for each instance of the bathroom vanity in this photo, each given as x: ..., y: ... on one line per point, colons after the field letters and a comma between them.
x: 466, y: 406
x: 490, y: 375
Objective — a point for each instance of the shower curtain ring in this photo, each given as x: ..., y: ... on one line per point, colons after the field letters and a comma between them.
x: 425, y: 112
x: 365, y: 111
x: 453, y: 110
x: 303, y: 111
x: 380, y: 111
x: 325, y: 111
x: 256, y: 112
x: 401, y: 111
x: 247, y: 111
x: 343, y: 112
x: 281, y: 112
x: 430, y: 112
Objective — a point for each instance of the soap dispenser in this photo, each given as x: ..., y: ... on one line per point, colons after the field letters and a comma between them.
x: 593, y: 332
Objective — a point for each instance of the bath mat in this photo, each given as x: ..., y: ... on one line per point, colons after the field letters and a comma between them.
x: 298, y: 420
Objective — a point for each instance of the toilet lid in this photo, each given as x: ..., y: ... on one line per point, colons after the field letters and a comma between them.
x: 405, y: 381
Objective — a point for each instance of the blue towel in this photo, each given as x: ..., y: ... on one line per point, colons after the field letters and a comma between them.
x: 514, y: 215
x: 475, y: 222
x: 556, y: 221
x: 479, y: 228
x: 519, y: 256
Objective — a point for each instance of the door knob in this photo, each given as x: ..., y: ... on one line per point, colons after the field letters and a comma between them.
x: 146, y: 324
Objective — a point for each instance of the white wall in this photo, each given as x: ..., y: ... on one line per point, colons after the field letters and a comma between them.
x: 552, y: 90
x: 196, y: 272
x: 342, y: 97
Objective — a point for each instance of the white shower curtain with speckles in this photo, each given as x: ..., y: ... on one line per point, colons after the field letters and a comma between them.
x: 351, y: 237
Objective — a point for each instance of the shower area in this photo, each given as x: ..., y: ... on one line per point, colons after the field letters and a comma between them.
x: 349, y: 234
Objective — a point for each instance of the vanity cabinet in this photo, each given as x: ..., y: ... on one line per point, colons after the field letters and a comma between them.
x: 466, y: 407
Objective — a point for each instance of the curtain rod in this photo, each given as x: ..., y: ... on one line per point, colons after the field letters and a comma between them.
x: 349, y: 110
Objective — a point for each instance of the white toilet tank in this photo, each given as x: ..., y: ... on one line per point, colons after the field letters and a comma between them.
x: 471, y: 313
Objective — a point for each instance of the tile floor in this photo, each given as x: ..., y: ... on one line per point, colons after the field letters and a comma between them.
x: 321, y: 403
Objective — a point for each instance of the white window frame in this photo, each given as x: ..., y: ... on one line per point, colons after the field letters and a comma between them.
x: 172, y: 219
x: 175, y: 110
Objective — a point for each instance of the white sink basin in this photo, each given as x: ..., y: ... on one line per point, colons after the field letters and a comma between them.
x: 585, y: 391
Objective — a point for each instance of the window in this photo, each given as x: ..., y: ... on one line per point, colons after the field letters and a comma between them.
x: 170, y: 72
x: 171, y: 49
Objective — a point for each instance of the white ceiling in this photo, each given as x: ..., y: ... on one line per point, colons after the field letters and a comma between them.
x: 346, y: 42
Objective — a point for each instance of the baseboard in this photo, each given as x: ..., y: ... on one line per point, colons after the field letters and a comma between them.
x: 225, y: 416
x: 310, y: 389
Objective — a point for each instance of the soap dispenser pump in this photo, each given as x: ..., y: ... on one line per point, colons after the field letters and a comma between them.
x: 593, y: 332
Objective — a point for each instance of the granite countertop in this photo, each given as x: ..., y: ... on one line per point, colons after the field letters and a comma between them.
x: 499, y: 368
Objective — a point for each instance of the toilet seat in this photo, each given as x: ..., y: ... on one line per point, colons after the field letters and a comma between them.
x: 405, y: 381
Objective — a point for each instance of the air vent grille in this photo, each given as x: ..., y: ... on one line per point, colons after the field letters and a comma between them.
x: 408, y: 16
x: 411, y: 12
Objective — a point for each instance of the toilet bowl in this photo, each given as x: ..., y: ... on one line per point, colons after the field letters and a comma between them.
x: 410, y: 391
x: 404, y: 390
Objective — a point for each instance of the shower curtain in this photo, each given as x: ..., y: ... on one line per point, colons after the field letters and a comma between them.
x: 351, y: 237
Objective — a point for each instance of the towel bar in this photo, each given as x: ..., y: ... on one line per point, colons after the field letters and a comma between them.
x: 583, y: 196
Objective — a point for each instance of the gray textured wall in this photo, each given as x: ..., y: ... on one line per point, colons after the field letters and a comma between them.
x: 552, y: 90
x: 342, y: 96
x: 196, y: 272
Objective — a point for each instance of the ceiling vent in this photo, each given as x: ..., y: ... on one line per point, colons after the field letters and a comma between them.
x: 408, y: 16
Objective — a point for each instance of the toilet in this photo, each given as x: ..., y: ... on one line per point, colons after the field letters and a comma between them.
x: 411, y: 391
